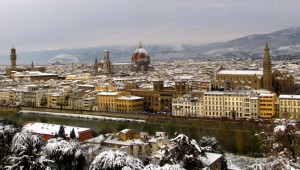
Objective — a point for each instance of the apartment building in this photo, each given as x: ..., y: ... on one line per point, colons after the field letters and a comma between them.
x: 130, y: 104
x: 267, y: 105
x: 106, y: 101
x: 187, y: 106
x: 227, y: 104
x: 289, y: 106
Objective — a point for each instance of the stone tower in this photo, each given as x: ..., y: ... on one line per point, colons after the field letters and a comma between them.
x: 13, y: 58
x: 106, y: 62
x: 96, y: 67
x: 267, y: 70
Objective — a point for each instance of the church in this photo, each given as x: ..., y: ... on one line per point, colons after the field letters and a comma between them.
x: 267, y: 79
x: 140, y: 61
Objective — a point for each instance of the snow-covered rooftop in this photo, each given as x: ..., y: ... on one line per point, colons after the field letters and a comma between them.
x: 210, y: 158
x: 284, y: 96
x: 52, y: 129
x: 108, y: 93
x: 241, y: 72
x: 130, y: 97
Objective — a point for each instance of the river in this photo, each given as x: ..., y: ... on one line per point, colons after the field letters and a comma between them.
x: 234, y: 137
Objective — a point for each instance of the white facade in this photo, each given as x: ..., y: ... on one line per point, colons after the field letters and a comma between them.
x: 186, y: 106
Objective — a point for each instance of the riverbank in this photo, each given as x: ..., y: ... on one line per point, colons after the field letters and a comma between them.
x: 79, y: 116
x: 234, y: 136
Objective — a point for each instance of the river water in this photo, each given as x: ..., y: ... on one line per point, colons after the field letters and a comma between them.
x: 234, y: 137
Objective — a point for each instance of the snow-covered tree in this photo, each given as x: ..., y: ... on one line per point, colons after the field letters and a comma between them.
x: 65, y: 155
x: 115, y: 160
x: 211, y: 144
x: 8, y: 129
x: 280, y: 141
x: 165, y: 167
x: 182, y: 151
x: 25, y: 152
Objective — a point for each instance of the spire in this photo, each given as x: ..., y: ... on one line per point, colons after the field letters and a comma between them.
x: 266, y: 45
x: 32, y: 64
x: 96, y: 61
x: 140, y: 45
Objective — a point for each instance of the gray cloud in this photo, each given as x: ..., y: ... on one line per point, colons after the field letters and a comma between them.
x: 36, y: 25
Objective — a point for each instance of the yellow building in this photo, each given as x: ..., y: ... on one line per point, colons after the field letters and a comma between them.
x: 289, y: 106
x: 267, y: 105
x: 4, y: 96
x: 56, y: 100
x: 106, y: 101
x: 130, y: 104
x: 257, y: 79
x: 160, y: 98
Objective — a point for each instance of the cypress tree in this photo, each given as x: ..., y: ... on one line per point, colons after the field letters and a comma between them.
x: 61, y: 132
x: 72, y: 134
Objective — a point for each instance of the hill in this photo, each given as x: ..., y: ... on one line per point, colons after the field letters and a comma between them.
x: 283, y: 42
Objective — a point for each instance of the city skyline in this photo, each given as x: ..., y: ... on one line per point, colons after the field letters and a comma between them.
x: 35, y: 25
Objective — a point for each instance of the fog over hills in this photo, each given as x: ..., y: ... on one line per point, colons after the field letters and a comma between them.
x: 283, y: 42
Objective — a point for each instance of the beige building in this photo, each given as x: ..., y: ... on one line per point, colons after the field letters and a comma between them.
x: 34, y: 97
x: 230, y: 104
x: 289, y: 106
x: 187, y: 106
x: 138, y: 145
x: 4, y: 96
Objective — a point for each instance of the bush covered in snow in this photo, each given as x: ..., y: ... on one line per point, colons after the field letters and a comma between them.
x: 25, y: 152
x: 280, y: 142
x: 65, y: 155
x: 182, y: 151
x: 165, y: 167
x: 8, y: 129
x: 115, y: 160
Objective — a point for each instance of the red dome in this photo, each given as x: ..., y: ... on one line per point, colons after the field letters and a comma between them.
x: 140, y: 54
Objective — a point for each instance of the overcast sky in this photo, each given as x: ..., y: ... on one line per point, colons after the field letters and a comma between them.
x: 31, y: 25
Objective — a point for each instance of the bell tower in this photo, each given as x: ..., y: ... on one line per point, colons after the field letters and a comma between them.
x: 13, y: 58
x: 96, y: 67
x: 267, y: 70
x: 106, y: 62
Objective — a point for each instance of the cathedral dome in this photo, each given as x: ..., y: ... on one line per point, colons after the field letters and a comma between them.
x: 140, y: 56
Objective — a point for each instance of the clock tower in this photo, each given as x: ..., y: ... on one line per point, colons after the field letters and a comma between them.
x: 13, y: 58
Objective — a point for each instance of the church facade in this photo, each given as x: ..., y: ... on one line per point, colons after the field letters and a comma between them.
x: 275, y: 80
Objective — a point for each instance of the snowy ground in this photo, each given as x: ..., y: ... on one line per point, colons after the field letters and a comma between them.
x: 79, y: 116
x: 239, y: 162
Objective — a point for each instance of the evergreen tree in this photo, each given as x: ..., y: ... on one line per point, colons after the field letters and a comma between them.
x: 187, y: 153
x: 72, y: 134
x: 8, y: 129
x: 115, y: 160
x: 61, y: 132
x: 25, y: 152
x: 65, y: 155
x: 211, y: 144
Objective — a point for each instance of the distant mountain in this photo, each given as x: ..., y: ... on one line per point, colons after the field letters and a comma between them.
x: 283, y: 42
